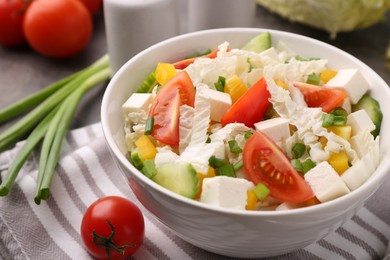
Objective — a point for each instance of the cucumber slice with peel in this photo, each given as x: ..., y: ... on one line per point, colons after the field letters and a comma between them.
x: 372, y: 107
x: 179, y: 177
x: 259, y: 43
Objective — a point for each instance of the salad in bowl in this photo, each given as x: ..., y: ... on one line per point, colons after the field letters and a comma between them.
x: 258, y: 128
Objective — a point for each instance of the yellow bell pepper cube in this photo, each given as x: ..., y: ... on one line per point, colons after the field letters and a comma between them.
x: 251, y: 200
x: 146, y: 149
x: 327, y: 75
x: 235, y: 88
x: 342, y: 131
x: 164, y: 72
x: 339, y: 162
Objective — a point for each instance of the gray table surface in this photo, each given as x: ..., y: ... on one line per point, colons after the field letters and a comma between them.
x: 22, y: 71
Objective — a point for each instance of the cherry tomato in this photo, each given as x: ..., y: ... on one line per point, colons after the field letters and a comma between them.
x: 326, y: 98
x: 93, y: 6
x: 112, y: 227
x: 181, y: 65
x: 11, y: 22
x: 250, y: 107
x: 57, y: 29
x: 265, y: 162
x: 165, y: 107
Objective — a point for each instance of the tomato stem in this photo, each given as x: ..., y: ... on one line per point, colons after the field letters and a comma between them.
x: 108, y: 242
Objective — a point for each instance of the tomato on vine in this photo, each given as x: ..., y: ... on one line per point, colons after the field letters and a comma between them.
x: 112, y: 228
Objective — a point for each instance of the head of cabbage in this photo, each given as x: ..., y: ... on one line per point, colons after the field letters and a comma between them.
x: 331, y: 15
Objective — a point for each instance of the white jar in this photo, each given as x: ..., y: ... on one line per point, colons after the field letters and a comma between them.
x: 133, y: 25
x: 208, y: 14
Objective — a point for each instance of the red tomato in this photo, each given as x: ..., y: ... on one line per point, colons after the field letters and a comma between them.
x: 57, y: 29
x: 181, y: 65
x: 249, y: 108
x: 326, y: 98
x: 93, y: 6
x: 165, y: 107
x: 11, y: 22
x: 117, y: 217
x: 265, y: 162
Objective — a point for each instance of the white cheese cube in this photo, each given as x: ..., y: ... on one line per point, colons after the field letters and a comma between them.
x: 137, y: 102
x: 220, y: 103
x: 359, y: 121
x: 225, y: 192
x: 325, y: 182
x: 269, y: 57
x: 275, y: 128
x: 352, y: 81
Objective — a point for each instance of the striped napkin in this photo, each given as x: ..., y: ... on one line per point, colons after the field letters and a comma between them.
x: 86, y: 172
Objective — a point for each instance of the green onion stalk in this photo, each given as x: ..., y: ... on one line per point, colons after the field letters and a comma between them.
x: 47, y: 124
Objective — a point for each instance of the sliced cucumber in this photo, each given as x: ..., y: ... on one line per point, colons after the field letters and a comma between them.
x: 373, y: 109
x: 259, y: 43
x: 179, y: 177
x: 149, y: 83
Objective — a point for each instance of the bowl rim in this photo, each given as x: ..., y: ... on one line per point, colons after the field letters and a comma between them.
x: 380, y: 172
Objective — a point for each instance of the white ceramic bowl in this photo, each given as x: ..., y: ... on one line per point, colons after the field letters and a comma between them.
x: 228, y: 232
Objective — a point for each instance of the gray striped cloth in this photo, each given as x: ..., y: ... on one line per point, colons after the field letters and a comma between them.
x: 86, y: 172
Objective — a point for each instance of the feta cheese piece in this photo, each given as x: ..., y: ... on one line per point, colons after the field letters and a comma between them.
x: 137, y: 102
x: 360, y: 120
x: 325, y: 182
x: 352, y: 81
x: 276, y: 128
x: 220, y: 103
x: 225, y: 192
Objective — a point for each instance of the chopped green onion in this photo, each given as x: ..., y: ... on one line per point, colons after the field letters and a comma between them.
x: 216, y: 162
x: 248, y: 134
x: 220, y: 84
x: 234, y: 147
x: 297, y: 165
x: 339, y: 111
x: 298, y: 150
x: 208, y: 140
x: 136, y: 160
x: 333, y: 120
x: 149, y: 126
x: 313, y: 79
x: 307, y: 165
x: 238, y: 165
x: 261, y: 191
x: 226, y: 170
x: 149, y: 169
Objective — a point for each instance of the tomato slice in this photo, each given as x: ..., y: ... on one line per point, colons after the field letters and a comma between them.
x: 181, y: 65
x: 165, y: 107
x: 250, y: 107
x: 265, y: 162
x: 317, y: 96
